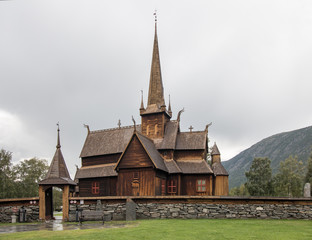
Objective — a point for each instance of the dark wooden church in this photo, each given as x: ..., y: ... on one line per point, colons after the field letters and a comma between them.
x: 151, y: 159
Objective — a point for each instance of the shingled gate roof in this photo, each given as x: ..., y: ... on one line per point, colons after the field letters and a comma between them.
x: 57, y: 173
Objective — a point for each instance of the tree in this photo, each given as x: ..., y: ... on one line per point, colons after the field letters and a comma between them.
x: 6, y: 175
x: 259, y: 177
x: 289, y: 179
x: 29, y: 173
x: 308, y: 176
x: 239, y: 191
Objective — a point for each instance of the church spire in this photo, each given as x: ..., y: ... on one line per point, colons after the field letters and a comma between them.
x: 156, y: 90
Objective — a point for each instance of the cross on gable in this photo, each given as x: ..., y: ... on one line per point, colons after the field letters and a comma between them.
x: 191, y: 128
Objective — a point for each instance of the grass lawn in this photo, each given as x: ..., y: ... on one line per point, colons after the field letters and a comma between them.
x: 185, y: 229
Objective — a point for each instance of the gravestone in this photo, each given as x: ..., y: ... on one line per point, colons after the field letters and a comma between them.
x: 130, y: 210
x: 307, y: 190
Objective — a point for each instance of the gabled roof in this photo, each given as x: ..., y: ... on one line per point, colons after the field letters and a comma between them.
x: 58, y: 173
x: 150, y: 149
x: 219, y: 170
x: 194, y: 167
x: 215, y: 150
x: 172, y: 166
x: 107, y: 141
x: 104, y: 170
x: 170, y: 136
x: 191, y: 140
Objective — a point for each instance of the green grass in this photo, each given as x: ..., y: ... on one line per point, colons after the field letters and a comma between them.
x: 185, y: 229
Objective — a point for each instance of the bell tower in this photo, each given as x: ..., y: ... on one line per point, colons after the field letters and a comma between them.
x: 155, y: 116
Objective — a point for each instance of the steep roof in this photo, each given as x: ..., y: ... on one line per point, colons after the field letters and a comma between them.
x: 170, y: 136
x: 107, y: 141
x: 172, y: 166
x: 150, y: 149
x: 215, y: 150
x: 58, y: 173
x: 219, y: 170
x: 115, y: 140
x: 194, y: 167
x: 156, y: 89
x: 191, y: 140
x: 104, y: 170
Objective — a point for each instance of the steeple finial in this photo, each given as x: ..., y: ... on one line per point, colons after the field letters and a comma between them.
x: 58, y: 145
x: 156, y: 89
x: 169, y: 107
x: 142, y: 104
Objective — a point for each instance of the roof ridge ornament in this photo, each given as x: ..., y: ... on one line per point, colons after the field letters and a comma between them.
x: 134, y: 124
x: 207, y: 126
x: 179, y: 115
x: 87, y: 127
x: 58, y: 145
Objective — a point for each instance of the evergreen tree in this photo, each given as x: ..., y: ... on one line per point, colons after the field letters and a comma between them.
x: 308, y: 176
x: 288, y: 182
x: 259, y: 177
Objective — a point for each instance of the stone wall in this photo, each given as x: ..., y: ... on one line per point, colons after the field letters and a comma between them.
x: 32, y: 213
x: 12, y: 207
x: 240, y: 211
x: 198, y: 207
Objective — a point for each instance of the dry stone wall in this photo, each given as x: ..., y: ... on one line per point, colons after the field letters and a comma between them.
x: 31, y: 213
x: 120, y: 211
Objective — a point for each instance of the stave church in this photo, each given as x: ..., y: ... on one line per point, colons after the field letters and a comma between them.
x: 154, y: 158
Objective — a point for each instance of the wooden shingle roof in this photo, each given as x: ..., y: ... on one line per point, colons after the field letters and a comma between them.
x: 104, y: 170
x: 57, y: 173
x: 194, y: 167
x: 108, y: 141
x: 191, y: 140
x: 219, y: 170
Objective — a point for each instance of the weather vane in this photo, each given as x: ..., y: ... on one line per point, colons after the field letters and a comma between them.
x: 155, y: 14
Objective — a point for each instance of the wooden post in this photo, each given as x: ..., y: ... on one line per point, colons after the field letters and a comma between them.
x: 65, y: 203
x: 42, y: 204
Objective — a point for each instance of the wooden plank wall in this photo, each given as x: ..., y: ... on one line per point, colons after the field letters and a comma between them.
x: 144, y: 185
x: 189, y: 185
x: 135, y: 156
x: 148, y: 123
x: 221, y: 186
x: 96, y: 160
x: 107, y: 186
x: 189, y: 154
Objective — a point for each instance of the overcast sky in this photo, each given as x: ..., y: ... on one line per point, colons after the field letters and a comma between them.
x: 244, y: 65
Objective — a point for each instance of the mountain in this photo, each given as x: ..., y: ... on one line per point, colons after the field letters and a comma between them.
x: 277, y: 148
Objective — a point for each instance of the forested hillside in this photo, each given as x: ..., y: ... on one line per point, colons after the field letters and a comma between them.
x: 277, y: 148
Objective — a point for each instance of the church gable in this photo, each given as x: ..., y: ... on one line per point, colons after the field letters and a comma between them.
x: 135, y: 156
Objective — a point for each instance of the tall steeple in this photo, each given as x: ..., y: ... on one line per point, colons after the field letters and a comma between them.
x: 155, y: 116
x: 156, y: 89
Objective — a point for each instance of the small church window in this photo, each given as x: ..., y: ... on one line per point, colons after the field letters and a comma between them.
x: 136, y: 176
x: 95, y: 187
x: 201, y: 185
x: 172, y: 187
x: 163, y: 186
x: 148, y: 130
